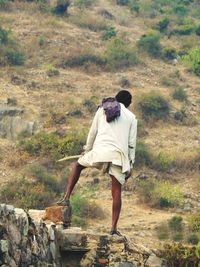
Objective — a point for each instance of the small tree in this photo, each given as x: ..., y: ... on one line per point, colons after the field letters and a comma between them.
x: 192, y: 59
x: 151, y: 43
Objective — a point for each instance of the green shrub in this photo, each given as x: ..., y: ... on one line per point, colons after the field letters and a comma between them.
x: 193, y: 239
x: 163, y: 24
x: 61, y: 7
x: 151, y: 44
x: 52, y: 71
x: 4, y: 36
x: 175, y: 223
x: 84, y: 59
x: 153, y: 106
x: 15, y: 57
x: 124, y: 82
x: 197, y: 30
x: 180, y: 10
x: 134, y: 6
x: 49, y: 144
x: 40, y: 174
x: 169, y: 53
x: 5, y: 4
x: 143, y: 155
x: 160, y: 194
x: 119, y: 55
x: 177, y: 236
x: 192, y: 59
x: 83, y: 209
x: 84, y: 3
x: 162, y: 231
x: 109, y: 33
x: 41, y: 40
x: 122, y: 2
x: 179, y: 94
x: 163, y: 161
x: 177, y: 254
x: 194, y: 222
x: 26, y: 194
x: 91, y: 104
x: 183, y: 30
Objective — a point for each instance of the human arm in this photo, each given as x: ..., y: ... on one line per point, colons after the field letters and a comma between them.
x: 132, y: 142
x: 92, y: 133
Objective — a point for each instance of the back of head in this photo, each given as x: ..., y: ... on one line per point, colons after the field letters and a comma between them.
x: 124, y: 97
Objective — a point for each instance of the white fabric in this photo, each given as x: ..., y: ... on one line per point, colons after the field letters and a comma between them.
x: 113, y: 142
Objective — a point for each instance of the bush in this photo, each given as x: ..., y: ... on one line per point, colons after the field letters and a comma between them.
x: 194, y: 222
x: 169, y: 53
x: 179, y: 94
x: 84, y: 59
x: 4, y: 4
x: 175, y: 223
x: 162, y: 231
x: 134, y: 6
x: 109, y: 33
x: 48, y: 144
x: 197, y: 30
x: 84, y: 3
x: 91, y: 104
x: 119, y: 55
x: 61, y: 7
x: 180, y: 10
x: 15, y: 57
x: 143, y: 155
x: 52, y: 71
x: 183, y: 30
x: 153, y: 107
x: 122, y: 2
x: 193, y: 239
x: 151, y: 44
x: 162, y: 24
x: 192, y: 59
x: 177, y: 254
x: 26, y: 194
x: 4, y: 36
x: 160, y: 194
x: 83, y: 208
x: 163, y: 162
x: 40, y: 174
x: 124, y: 82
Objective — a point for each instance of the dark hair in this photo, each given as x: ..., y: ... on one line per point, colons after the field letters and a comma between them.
x: 124, y: 97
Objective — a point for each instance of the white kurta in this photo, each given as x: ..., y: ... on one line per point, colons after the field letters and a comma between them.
x: 113, y: 142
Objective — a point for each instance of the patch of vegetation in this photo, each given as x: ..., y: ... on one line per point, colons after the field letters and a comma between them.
x: 143, y: 155
x: 169, y: 53
x: 192, y: 59
x: 124, y: 82
x: 41, y: 40
x: 109, y: 33
x: 194, y: 222
x: 151, y: 44
x: 61, y: 7
x: 179, y: 94
x: 83, y: 60
x: 119, y: 55
x: 84, y: 3
x: 175, y: 223
x: 193, y: 239
x: 162, y: 231
x: 178, y: 254
x: 163, y: 24
x: 5, y: 4
x: 122, y: 2
x: 26, y: 194
x: 163, y: 162
x: 49, y: 144
x: 184, y: 30
x: 83, y: 208
x: 185, y: 117
x: 153, y: 107
x: 134, y: 6
x: 52, y: 71
x: 160, y: 194
x: 91, y: 104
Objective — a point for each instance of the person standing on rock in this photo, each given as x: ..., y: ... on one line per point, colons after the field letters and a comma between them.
x: 110, y: 145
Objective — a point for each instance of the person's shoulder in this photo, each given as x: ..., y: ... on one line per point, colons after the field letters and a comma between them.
x: 129, y: 113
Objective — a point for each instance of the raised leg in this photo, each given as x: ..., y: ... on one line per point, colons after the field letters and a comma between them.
x: 73, y: 179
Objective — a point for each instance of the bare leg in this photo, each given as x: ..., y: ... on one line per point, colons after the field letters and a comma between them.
x: 117, y: 202
x: 73, y: 179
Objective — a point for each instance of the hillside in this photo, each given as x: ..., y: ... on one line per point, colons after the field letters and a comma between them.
x: 58, y: 67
